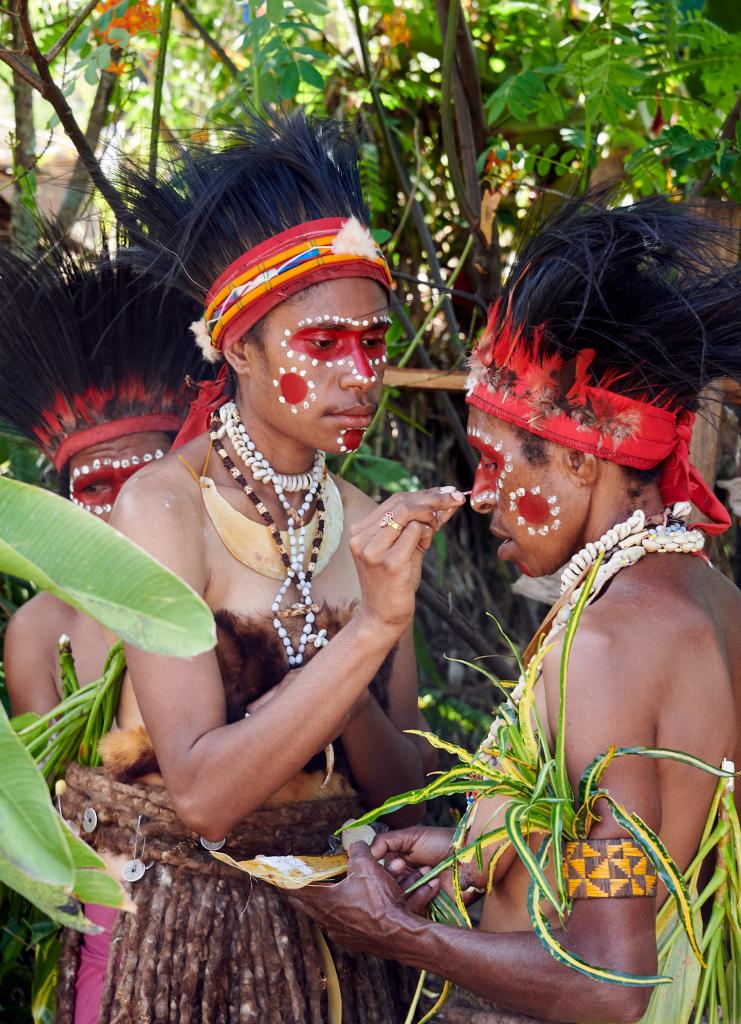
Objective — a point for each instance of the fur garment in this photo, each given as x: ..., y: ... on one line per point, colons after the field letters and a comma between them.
x: 252, y: 661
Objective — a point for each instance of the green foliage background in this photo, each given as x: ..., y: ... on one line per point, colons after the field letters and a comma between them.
x: 546, y: 97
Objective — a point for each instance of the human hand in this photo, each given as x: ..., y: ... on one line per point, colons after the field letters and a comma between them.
x: 410, y: 853
x: 366, y: 912
x: 388, y: 546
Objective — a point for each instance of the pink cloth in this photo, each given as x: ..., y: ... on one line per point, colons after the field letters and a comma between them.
x: 93, y: 963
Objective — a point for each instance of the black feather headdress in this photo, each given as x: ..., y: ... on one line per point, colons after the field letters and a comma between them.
x: 83, y: 343
x: 209, y: 207
x: 647, y: 288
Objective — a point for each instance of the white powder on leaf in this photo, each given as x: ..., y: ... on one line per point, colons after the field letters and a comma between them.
x: 285, y: 864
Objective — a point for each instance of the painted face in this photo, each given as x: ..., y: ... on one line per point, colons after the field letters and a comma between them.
x: 522, y: 498
x: 97, y: 474
x: 315, y: 379
x: 317, y: 345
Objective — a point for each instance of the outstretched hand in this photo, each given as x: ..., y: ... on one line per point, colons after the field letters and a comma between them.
x: 366, y: 912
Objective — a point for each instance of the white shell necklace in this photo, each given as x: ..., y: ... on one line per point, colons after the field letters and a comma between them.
x: 255, y: 461
x: 671, y: 536
x: 623, y: 544
x: 296, y: 573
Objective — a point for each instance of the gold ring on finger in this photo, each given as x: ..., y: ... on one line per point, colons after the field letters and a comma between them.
x: 388, y: 520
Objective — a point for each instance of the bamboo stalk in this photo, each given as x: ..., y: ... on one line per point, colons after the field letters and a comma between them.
x: 159, y: 82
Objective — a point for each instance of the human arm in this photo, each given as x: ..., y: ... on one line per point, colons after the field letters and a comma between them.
x: 215, y: 773
x: 511, y: 968
x: 371, y: 732
x: 30, y: 664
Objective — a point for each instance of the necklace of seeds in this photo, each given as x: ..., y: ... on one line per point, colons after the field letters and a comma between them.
x: 293, y: 560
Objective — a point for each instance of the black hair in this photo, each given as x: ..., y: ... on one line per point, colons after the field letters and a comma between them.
x: 208, y: 207
x: 82, y: 341
x: 647, y: 285
x: 537, y: 451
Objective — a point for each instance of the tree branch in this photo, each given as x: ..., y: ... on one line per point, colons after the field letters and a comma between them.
x: 71, y: 31
x: 54, y: 95
x: 462, y: 155
x: 208, y: 38
x: 159, y: 83
x: 417, y: 213
x: 460, y: 189
x: 25, y: 232
x: 78, y: 183
x: 727, y: 132
x: 19, y: 66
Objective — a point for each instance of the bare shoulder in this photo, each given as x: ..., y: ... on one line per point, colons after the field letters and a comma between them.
x: 160, y: 508
x: 637, y: 645
x: 42, y: 613
x: 355, y: 503
x: 169, y: 485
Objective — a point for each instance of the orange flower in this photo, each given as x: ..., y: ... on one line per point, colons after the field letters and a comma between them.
x: 396, y: 28
x: 142, y: 16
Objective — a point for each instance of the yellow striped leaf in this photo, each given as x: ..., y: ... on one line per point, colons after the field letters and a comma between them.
x: 562, y: 775
x: 439, y: 1003
x: 670, y: 874
x: 542, y: 928
x: 515, y: 820
x: 592, y: 774
x: 452, y: 748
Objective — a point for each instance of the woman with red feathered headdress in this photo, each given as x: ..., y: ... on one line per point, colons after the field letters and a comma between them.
x: 582, y: 394
x: 93, y: 372
x: 269, y: 743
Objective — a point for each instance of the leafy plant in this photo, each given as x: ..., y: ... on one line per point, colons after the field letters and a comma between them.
x: 515, y: 762
x: 72, y: 730
x: 63, y: 549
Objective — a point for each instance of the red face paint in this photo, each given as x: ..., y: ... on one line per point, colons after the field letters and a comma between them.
x: 293, y: 388
x: 350, y: 440
x: 534, y: 509
x: 100, y: 486
x: 364, y: 346
x: 487, y: 483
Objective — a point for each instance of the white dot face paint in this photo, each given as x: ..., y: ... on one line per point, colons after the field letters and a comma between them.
x: 493, y: 470
x: 95, y: 486
x: 324, y: 341
x: 534, y: 513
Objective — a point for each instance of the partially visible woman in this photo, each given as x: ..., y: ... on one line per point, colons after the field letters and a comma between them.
x: 92, y: 373
x: 311, y: 584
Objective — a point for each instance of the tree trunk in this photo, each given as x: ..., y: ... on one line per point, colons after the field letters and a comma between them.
x: 24, y: 229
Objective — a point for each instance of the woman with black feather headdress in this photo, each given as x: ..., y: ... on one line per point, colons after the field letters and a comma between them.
x: 268, y: 744
x: 92, y: 373
x: 582, y: 395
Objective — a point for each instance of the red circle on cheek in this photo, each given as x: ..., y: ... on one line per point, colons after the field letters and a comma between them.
x: 293, y: 388
x: 533, y: 508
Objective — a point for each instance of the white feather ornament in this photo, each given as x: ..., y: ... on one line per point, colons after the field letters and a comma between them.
x: 354, y: 239
x: 203, y: 341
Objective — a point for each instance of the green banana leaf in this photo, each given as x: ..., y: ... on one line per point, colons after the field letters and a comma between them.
x: 40, y: 857
x: 83, y: 561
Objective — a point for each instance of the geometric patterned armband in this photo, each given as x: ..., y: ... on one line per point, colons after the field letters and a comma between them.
x: 604, y: 868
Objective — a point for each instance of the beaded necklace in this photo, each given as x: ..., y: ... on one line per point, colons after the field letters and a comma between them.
x: 624, y: 544
x: 296, y: 574
x: 256, y: 462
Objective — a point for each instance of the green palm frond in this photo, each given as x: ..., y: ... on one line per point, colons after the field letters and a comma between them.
x: 530, y: 783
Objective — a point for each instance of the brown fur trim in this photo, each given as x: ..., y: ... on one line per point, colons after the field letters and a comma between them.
x: 252, y: 660
x: 128, y: 753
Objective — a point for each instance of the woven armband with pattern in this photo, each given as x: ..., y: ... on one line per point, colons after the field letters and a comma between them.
x: 604, y: 868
